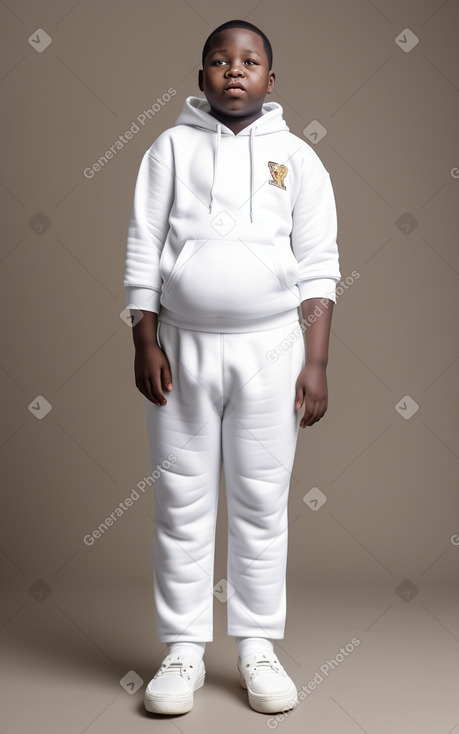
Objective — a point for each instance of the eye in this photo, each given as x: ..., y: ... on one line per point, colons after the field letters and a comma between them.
x: 219, y: 62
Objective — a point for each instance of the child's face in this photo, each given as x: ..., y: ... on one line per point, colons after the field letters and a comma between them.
x: 237, y: 56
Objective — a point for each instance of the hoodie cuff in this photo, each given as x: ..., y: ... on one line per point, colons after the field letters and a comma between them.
x: 142, y: 299
x: 318, y: 288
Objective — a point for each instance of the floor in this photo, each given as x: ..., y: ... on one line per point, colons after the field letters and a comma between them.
x: 398, y: 672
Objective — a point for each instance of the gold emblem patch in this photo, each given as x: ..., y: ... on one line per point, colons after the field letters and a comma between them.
x: 278, y: 172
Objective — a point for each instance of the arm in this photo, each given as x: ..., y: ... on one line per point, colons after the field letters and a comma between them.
x: 314, y: 244
x: 148, y: 228
x: 311, y: 385
x: 151, y: 366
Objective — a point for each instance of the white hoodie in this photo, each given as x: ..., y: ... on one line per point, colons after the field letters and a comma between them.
x: 230, y: 232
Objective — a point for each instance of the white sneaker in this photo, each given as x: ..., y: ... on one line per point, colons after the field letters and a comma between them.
x: 171, y: 690
x: 269, y: 687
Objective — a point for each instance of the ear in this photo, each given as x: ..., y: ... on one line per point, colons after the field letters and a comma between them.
x: 200, y: 79
x: 271, y: 82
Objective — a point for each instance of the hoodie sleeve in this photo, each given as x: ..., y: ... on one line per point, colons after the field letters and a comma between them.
x: 314, y: 233
x: 148, y: 228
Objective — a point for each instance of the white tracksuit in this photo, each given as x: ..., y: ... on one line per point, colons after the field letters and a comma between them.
x: 228, y: 235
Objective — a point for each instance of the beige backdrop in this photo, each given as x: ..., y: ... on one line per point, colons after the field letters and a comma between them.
x: 374, y: 507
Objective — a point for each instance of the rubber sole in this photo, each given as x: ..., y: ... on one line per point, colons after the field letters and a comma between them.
x: 173, y: 705
x: 271, y: 703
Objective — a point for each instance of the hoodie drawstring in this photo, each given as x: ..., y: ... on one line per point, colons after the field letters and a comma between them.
x: 217, y: 148
x: 252, y: 166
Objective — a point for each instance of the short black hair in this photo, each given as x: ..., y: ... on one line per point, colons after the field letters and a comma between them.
x: 240, y: 24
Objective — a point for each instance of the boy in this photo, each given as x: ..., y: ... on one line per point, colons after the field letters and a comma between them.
x: 233, y: 227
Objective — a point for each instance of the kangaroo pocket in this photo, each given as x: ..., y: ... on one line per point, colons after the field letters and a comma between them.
x: 230, y: 279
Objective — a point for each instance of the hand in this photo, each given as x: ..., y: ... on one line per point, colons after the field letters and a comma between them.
x: 311, y: 386
x: 152, y: 372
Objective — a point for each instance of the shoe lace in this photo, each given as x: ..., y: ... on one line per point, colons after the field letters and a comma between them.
x: 172, y: 666
x: 265, y: 665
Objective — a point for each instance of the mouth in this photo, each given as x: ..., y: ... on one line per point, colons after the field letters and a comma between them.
x: 235, y: 89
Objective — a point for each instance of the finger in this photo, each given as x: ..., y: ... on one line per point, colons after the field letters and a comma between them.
x: 308, y: 411
x: 167, y: 378
x: 298, y: 399
x: 317, y: 412
x: 159, y: 393
x: 142, y: 387
x: 152, y: 393
x: 151, y: 388
x: 305, y: 419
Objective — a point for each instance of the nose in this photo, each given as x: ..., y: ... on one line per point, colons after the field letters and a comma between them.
x: 234, y: 70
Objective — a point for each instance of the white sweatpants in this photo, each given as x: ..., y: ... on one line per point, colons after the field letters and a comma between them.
x: 232, y: 403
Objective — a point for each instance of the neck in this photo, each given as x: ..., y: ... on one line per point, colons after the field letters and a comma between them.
x: 235, y: 124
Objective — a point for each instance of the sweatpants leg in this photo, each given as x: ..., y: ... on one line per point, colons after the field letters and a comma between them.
x: 259, y: 438
x: 186, y: 495
x: 232, y: 401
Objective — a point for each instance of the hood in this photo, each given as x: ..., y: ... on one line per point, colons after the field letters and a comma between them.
x: 196, y: 112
